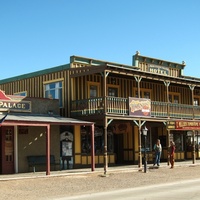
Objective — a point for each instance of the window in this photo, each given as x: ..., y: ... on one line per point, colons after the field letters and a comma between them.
x: 93, y: 89
x: 98, y: 140
x: 174, y: 97
x: 24, y: 94
x: 178, y: 139
x: 196, y: 101
x: 54, y: 91
x: 144, y: 93
x: 113, y: 92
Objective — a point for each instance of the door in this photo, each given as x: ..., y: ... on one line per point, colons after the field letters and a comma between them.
x: 118, y: 146
x: 7, y: 150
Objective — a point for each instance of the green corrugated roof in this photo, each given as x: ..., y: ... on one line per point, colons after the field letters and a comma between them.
x: 37, y: 73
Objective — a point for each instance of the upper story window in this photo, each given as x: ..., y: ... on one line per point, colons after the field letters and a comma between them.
x: 144, y: 93
x: 174, y: 97
x: 93, y: 89
x: 54, y: 91
x: 24, y: 93
x: 196, y: 101
x: 113, y: 90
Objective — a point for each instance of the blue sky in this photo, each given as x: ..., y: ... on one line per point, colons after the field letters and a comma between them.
x: 40, y: 34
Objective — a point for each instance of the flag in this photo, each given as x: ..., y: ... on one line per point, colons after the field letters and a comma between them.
x: 2, y: 120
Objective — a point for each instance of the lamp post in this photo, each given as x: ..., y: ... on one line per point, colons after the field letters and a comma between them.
x: 144, y: 131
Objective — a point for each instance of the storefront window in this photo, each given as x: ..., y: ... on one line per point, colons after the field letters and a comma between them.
x: 189, y: 141
x: 189, y: 146
x: 98, y: 140
x: 85, y: 141
x: 178, y: 139
x: 110, y: 142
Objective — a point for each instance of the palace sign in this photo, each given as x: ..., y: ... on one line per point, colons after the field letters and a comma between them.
x: 13, y: 104
x: 23, y: 106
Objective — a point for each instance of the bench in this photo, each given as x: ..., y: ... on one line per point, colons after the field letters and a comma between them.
x: 39, y: 160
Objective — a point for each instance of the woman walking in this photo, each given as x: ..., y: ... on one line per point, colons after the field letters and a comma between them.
x: 172, y: 153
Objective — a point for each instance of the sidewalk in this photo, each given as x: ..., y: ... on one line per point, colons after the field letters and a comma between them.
x: 114, y: 169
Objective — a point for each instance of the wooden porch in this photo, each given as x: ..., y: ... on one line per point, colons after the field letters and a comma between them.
x: 119, y: 106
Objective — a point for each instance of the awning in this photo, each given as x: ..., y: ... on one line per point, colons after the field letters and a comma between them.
x: 20, y: 119
x: 41, y: 119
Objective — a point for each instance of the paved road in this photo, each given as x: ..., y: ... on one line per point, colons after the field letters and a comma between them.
x: 182, y: 190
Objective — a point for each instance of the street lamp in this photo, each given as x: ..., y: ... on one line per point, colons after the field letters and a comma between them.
x: 144, y: 131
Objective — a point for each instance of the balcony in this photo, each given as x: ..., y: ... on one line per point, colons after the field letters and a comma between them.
x: 119, y: 106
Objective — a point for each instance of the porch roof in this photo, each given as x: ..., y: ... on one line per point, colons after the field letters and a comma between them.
x: 30, y: 119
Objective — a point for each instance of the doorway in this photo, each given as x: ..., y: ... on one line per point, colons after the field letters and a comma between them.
x: 118, y: 148
x: 7, y: 150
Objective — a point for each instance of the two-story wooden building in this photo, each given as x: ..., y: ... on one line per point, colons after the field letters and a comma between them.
x: 121, y: 100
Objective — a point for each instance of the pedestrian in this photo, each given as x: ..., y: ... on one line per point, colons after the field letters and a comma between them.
x: 158, y: 150
x: 172, y: 153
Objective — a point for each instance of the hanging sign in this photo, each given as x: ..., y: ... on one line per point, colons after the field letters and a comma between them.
x: 139, y: 107
x: 187, y: 125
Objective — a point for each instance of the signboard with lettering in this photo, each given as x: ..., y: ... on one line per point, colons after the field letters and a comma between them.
x: 187, y: 125
x: 171, y: 125
x: 183, y: 125
x: 157, y: 69
x: 7, y: 103
x: 139, y: 107
x: 22, y: 106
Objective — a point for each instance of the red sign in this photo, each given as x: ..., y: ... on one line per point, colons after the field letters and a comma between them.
x: 187, y: 125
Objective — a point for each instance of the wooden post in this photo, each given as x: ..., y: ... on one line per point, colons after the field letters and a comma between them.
x: 92, y: 150
x: 105, y: 147
x: 139, y: 146
x: 194, y: 156
x: 48, y: 149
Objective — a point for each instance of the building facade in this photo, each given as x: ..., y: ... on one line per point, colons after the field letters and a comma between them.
x: 34, y: 136
x: 121, y: 100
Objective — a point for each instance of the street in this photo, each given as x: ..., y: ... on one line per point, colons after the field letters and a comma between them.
x: 182, y: 190
x: 182, y: 182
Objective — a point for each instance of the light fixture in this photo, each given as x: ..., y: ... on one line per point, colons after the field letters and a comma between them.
x: 144, y: 131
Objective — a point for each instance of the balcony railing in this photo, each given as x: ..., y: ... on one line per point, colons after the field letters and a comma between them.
x: 119, y: 106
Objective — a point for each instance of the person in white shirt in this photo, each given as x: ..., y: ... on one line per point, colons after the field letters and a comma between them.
x: 158, y: 150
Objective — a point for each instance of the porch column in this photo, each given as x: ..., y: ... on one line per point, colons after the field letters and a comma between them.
x: 48, y: 149
x: 193, y: 153
x: 105, y: 147
x: 139, y: 146
x: 168, y: 145
x: 167, y: 83
x: 192, y: 96
x: 92, y: 153
x: 16, y: 169
x: 138, y: 80
x: 105, y: 122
